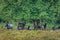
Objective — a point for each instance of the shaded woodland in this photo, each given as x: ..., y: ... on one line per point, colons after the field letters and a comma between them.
x: 31, y: 12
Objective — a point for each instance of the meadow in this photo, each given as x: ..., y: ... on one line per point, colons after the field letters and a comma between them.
x: 29, y: 34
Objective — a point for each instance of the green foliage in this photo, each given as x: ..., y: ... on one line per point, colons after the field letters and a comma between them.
x: 25, y: 10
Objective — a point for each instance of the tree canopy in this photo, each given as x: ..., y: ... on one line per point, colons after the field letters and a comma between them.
x: 25, y: 10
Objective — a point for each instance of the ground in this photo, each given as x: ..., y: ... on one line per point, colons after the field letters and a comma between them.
x: 29, y: 34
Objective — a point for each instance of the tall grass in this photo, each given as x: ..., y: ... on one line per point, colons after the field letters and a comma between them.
x: 29, y: 34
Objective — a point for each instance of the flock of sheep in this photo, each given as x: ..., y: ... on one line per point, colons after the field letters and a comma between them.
x: 21, y: 26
